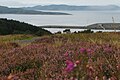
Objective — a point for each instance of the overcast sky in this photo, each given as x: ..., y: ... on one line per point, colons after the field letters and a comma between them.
x: 18, y: 3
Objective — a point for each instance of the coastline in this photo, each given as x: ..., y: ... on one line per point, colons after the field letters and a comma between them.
x: 96, y: 26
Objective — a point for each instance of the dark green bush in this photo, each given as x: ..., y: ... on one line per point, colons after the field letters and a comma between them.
x: 86, y: 31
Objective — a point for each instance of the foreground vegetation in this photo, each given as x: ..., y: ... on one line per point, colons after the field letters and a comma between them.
x: 92, y: 56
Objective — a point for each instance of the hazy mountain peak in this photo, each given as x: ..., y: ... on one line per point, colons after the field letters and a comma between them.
x: 73, y: 7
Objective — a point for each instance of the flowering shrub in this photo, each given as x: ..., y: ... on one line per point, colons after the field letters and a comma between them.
x: 92, y: 63
x: 44, y: 59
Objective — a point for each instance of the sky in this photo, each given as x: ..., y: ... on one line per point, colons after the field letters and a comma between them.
x: 21, y: 3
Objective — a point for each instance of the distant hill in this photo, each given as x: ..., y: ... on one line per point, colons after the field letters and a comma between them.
x: 75, y: 8
x: 7, y: 10
x: 16, y: 27
x: 107, y: 26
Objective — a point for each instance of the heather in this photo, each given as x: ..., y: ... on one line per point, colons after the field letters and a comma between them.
x: 91, y: 56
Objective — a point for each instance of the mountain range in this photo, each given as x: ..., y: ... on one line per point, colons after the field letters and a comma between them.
x: 73, y: 8
x: 7, y: 10
x: 39, y: 9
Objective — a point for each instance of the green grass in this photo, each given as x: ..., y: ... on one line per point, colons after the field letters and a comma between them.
x: 111, y: 38
x: 9, y: 38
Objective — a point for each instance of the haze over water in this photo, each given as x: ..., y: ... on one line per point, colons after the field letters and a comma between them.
x: 80, y: 18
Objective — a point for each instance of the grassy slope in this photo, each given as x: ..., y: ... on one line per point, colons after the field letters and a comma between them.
x: 45, y: 59
x: 9, y: 38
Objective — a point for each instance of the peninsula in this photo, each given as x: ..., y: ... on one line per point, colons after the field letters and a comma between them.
x: 7, y: 10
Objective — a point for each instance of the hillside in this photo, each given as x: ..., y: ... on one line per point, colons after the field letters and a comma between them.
x: 16, y: 27
x: 74, y: 8
x: 7, y: 10
x: 92, y: 56
x: 107, y: 26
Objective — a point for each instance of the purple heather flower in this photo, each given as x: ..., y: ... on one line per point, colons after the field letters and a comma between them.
x: 107, y: 50
x: 66, y: 54
x: 70, y: 66
x: 90, y: 52
x: 82, y: 50
x: 68, y: 62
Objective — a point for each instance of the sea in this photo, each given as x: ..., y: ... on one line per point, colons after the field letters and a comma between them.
x: 78, y: 18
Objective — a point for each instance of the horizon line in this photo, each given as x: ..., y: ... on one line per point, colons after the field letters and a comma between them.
x: 32, y: 5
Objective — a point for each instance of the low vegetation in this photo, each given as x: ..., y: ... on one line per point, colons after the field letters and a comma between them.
x: 81, y: 56
x: 10, y: 38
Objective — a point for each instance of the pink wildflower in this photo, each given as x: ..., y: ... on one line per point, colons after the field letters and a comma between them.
x: 107, y: 50
x: 77, y: 62
x: 90, y: 52
x: 66, y: 54
x: 82, y: 50
x: 70, y: 66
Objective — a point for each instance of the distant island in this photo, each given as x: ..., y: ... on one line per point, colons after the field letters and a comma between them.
x: 15, y: 27
x: 7, y: 10
x: 74, y: 8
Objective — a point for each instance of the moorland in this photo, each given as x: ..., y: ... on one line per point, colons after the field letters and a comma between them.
x: 82, y: 56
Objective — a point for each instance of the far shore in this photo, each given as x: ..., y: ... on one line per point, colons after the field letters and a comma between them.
x: 97, y: 26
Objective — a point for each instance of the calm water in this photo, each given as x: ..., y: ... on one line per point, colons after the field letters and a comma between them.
x: 54, y: 30
x: 77, y: 18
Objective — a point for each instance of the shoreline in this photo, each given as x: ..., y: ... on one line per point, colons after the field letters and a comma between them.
x: 96, y: 26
